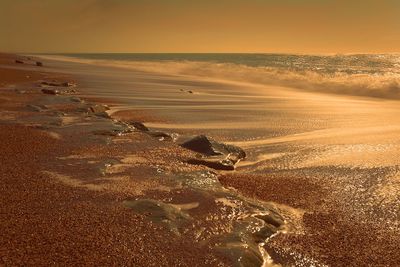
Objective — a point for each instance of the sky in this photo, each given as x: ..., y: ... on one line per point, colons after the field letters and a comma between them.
x: 243, y: 26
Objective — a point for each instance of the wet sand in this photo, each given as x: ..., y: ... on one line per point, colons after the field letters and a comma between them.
x: 52, y: 219
x: 325, y: 165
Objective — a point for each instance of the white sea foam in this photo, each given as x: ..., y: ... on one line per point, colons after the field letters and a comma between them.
x: 362, y: 75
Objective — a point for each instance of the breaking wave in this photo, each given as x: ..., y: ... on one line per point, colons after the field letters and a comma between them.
x: 361, y: 75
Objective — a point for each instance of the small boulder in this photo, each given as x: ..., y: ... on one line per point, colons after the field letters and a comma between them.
x: 209, y: 147
x: 215, y: 155
x: 201, y: 144
x: 39, y: 64
x: 19, y: 61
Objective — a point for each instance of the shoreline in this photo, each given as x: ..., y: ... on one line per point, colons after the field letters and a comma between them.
x: 124, y: 172
x: 56, y: 112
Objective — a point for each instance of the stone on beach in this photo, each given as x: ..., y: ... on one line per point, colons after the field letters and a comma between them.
x: 220, y: 156
x: 201, y: 144
x: 39, y: 64
x: 209, y: 147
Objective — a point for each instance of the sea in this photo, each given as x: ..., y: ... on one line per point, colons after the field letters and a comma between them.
x: 374, y: 75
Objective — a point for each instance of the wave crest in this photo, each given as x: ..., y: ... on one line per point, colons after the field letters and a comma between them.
x: 382, y: 83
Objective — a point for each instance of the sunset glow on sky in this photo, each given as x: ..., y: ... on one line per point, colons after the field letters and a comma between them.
x: 293, y: 26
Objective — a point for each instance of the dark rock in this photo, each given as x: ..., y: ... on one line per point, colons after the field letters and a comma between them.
x: 40, y: 64
x: 139, y: 126
x: 19, y: 61
x: 201, y: 144
x: 223, y: 156
x: 50, y: 91
x: 190, y: 92
x: 209, y: 147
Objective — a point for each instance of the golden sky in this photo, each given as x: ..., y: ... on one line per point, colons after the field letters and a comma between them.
x: 294, y: 26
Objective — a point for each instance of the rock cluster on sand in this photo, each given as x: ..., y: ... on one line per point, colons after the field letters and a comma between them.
x: 219, y: 156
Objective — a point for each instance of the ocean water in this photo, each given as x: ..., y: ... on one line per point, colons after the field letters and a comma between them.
x: 374, y: 75
x: 350, y: 64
